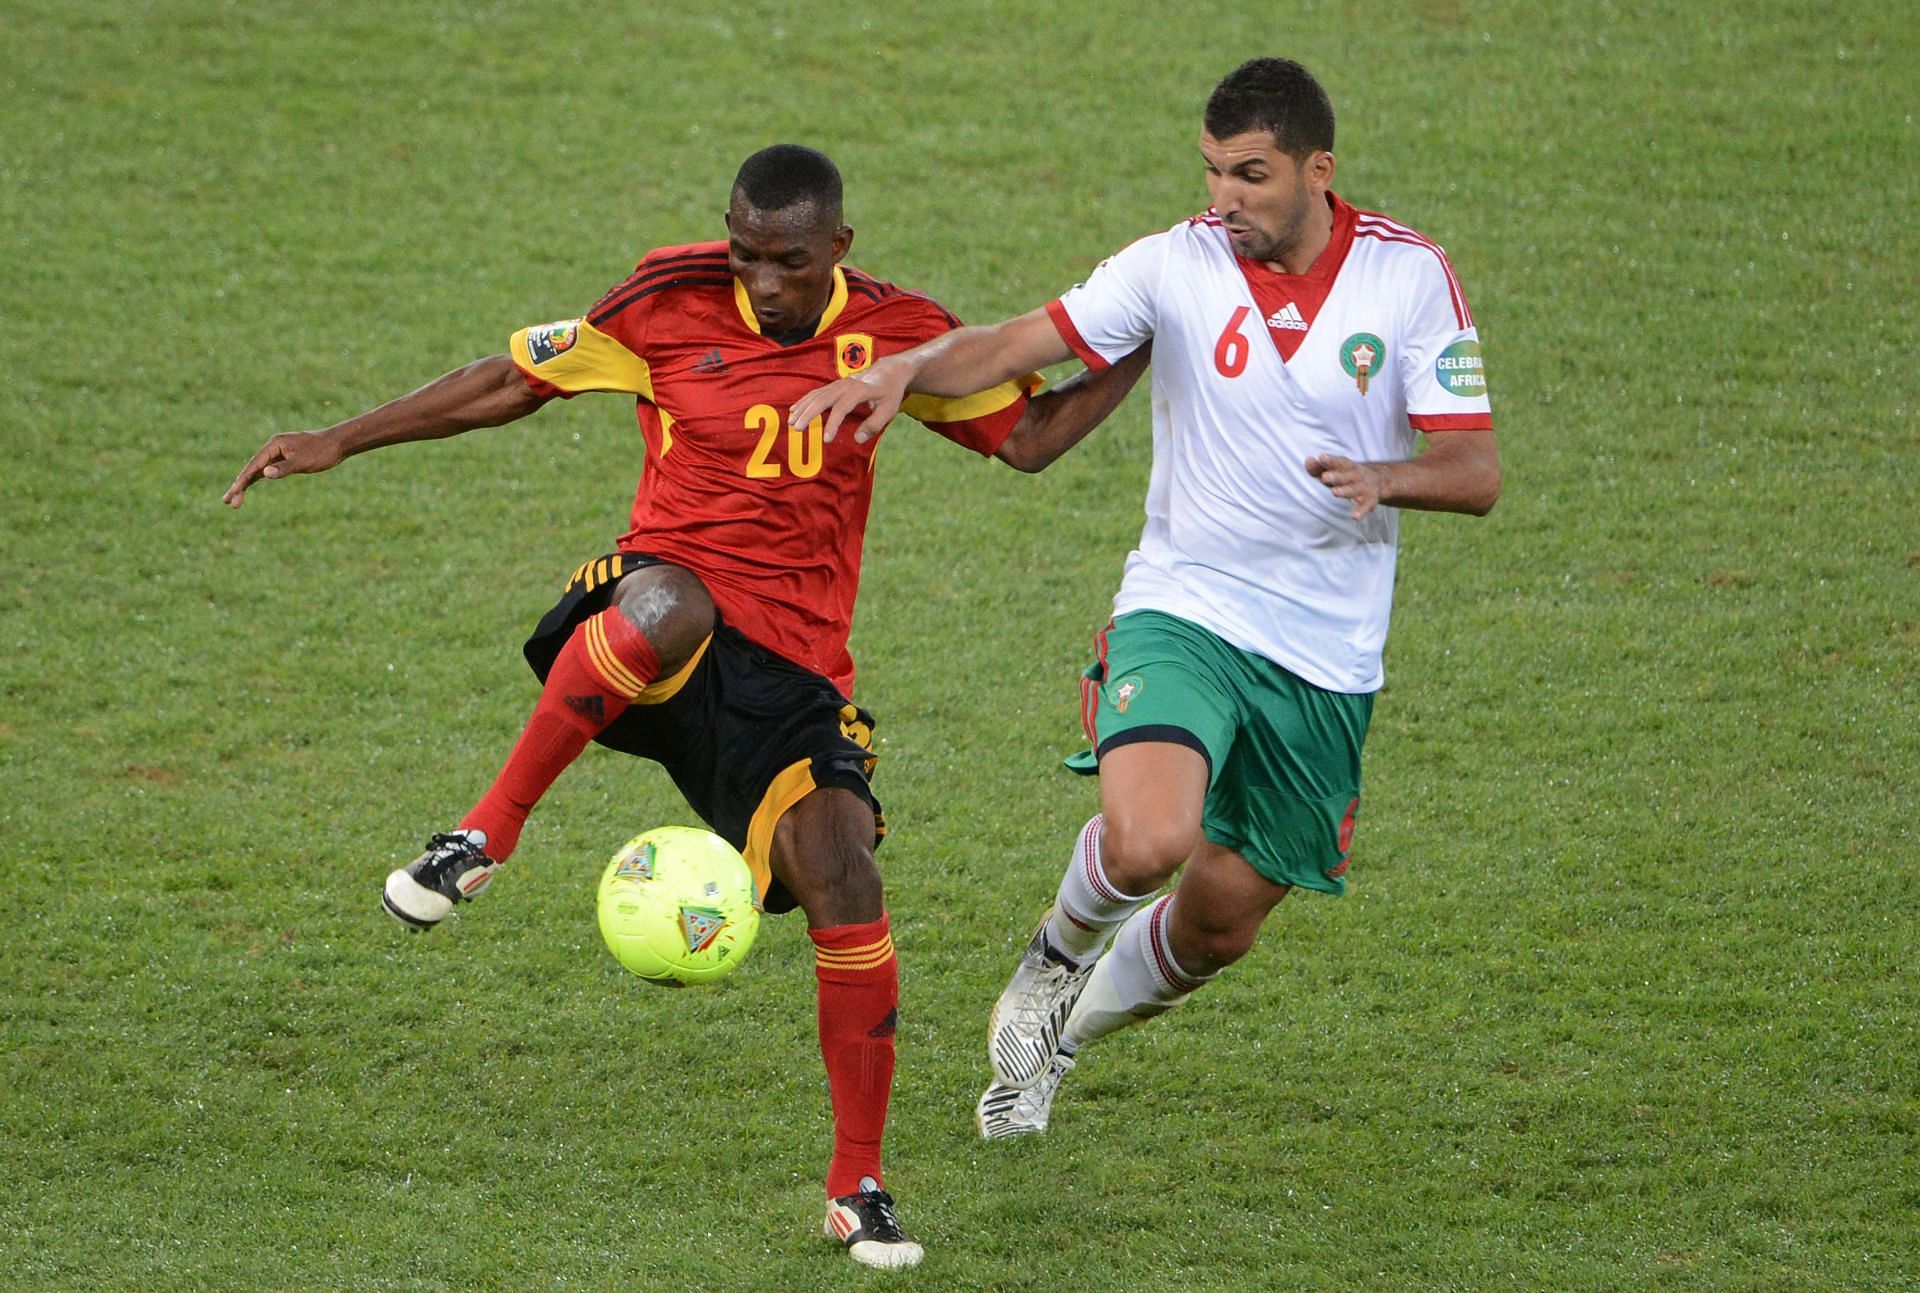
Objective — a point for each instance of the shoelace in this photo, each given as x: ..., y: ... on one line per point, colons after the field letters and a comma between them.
x: 1041, y: 1092
x: 1027, y: 1105
x: 876, y: 1215
x: 443, y: 850
x: 1035, y: 1006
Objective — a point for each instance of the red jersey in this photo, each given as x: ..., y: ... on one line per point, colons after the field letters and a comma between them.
x: 769, y: 516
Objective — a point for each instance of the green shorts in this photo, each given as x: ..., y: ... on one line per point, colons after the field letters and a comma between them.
x: 1283, y: 756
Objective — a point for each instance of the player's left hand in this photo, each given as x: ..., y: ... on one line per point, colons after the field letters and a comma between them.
x: 1361, y: 482
x: 290, y: 453
x: 881, y: 389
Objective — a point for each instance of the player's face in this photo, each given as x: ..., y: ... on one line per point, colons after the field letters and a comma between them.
x: 784, y: 259
x: 1270, y: 202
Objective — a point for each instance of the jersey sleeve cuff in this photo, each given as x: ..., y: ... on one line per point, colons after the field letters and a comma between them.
x: 540, y: 386
x: 1450, y: 421
x: 1063, y: 323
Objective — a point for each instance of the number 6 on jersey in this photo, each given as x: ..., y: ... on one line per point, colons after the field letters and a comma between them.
x: 1231, y: 351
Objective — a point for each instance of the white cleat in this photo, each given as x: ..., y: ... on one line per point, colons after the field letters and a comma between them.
x: 453, y: 869
x: 1008, y: 1111
x: 865, y: 1223
x: 1025, y: 1029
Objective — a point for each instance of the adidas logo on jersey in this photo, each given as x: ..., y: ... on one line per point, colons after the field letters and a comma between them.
x: 1287, y: 317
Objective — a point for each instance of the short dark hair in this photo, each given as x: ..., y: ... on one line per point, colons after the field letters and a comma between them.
x: 785, y: 175
x: 1275, y: 94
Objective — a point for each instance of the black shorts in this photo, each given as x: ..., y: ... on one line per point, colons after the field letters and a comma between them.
x: 744, y: 733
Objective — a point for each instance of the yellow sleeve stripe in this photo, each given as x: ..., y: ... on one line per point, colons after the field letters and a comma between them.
x: 617, y: 676
x: 591, y: 361
x: 937, y: 408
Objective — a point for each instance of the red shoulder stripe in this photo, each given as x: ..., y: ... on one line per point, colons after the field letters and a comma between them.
x: 1460, y: 312
x: 1373, y: 220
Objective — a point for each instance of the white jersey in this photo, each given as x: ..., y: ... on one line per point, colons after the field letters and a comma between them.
x: 1254, y: 372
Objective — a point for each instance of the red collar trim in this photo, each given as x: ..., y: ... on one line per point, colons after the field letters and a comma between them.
x: 1327, y: 264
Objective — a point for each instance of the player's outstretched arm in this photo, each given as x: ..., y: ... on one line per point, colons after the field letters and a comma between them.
x: 485, y: 393
x: 1459, y: 472
x: 1060, y: 417
x: 957, y: 363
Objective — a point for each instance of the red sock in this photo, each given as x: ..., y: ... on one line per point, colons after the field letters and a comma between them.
x: 602, y: 667
x: 859, y: 1006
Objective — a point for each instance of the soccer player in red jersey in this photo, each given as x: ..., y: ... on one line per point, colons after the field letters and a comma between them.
x: 714, y: 639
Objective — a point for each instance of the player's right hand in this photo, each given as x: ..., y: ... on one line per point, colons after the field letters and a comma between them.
x: 291, y: 453
x: 881, y: 389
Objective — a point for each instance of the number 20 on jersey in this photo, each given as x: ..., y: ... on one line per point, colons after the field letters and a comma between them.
x: 805, y: 452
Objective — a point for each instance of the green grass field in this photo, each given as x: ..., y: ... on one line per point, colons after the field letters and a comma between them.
x: 1624, y: 996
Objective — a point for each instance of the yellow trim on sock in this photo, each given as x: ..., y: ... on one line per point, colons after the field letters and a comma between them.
x: 665, y: 689
x: 870, y: 957
x: 616, y: 675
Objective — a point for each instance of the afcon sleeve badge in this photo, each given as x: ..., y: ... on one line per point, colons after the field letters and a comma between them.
x: 553, y: 340
x: 1362, y: 355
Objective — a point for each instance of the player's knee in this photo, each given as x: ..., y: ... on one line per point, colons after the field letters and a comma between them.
x: 671, y: 608
x: 837, y: 888
x: 1209, y: 944
x: 828, y: 865
x: 1139, y: 856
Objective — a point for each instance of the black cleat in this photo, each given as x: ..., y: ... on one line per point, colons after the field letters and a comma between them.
x: 865, y: 1223
x: 453, y: 869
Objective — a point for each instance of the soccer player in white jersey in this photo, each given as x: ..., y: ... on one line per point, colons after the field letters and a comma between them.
x: 1299, y: 349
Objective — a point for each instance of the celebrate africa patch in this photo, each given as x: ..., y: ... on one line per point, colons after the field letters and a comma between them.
x: 553, y: 340
x: 1461, y: 371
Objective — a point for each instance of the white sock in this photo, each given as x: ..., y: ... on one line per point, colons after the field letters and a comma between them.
x: 1089, y: 906
x: 1136, y: 980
